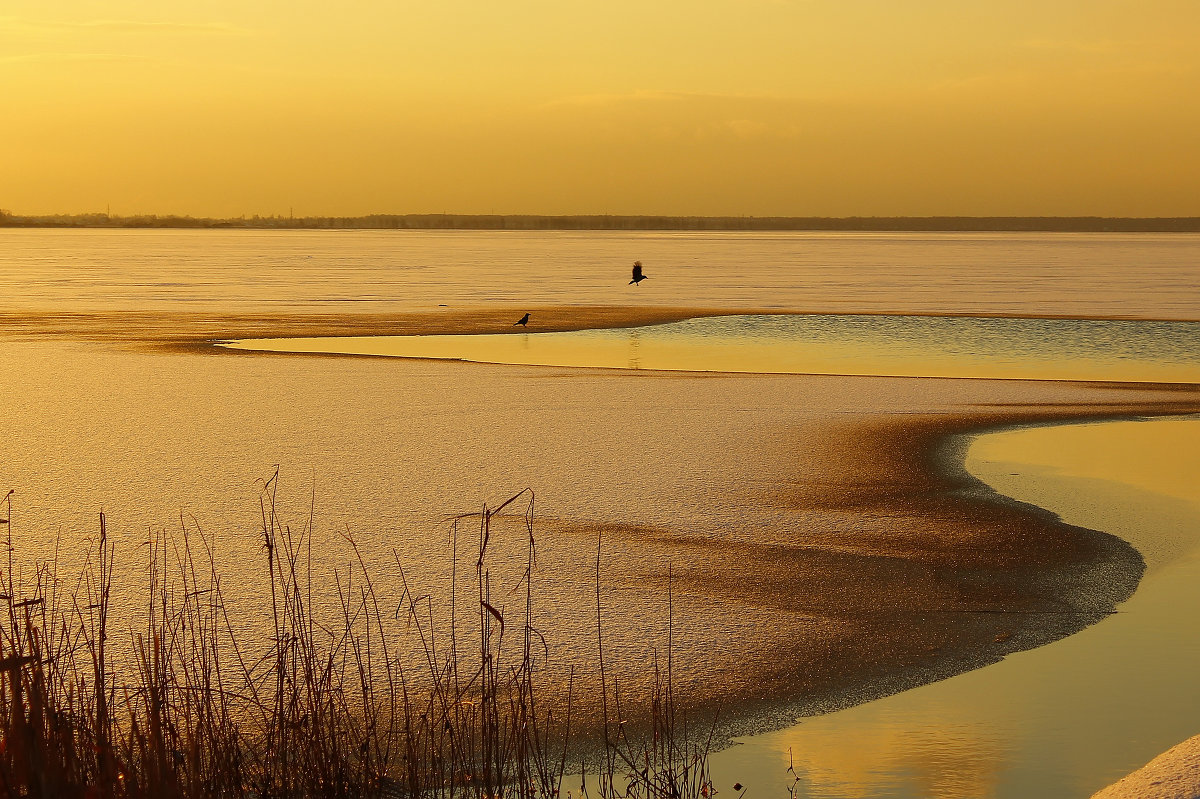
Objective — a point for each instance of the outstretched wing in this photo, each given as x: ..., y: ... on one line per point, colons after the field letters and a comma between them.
x: 637, y: 270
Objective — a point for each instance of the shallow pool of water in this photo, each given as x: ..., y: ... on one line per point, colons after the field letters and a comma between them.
x: 907, y: 346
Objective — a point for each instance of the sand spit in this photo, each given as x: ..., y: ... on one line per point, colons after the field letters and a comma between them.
x: 1175, y: 774
x: 195, y: 329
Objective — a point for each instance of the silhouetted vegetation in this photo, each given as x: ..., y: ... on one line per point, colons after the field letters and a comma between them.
x: 327, y: 710
x: 620, y: 222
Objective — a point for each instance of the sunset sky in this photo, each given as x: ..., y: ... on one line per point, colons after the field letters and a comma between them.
x: 763, y: 107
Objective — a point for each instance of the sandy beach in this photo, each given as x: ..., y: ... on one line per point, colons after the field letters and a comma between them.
x: 832, y: 511
x: 1175, y: 774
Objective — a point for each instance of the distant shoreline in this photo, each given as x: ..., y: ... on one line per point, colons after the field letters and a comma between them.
x: 882, y: 224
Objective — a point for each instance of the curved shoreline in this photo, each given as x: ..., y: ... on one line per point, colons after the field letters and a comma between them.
x: 1057, y: 721
x: 1015, y: 576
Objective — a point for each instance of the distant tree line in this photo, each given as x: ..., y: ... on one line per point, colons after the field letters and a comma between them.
x: 1186, y: 224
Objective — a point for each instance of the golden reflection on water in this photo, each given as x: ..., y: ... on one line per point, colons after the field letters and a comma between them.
x: 1162, y: 456
x: 907, y: 346
x: 942, y: 751
x: 956, y: 759
x: 829, y: 353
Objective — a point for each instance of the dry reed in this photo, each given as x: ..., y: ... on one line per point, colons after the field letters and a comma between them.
x: 324, y: 709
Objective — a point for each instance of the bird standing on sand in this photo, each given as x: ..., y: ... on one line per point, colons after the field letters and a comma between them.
x: 524, y: 320
x: 638, y: 277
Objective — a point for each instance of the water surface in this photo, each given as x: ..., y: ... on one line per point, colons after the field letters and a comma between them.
x: 353, y: 272
x: 908, y: 346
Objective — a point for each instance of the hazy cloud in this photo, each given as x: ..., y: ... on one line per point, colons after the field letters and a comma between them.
x: 126, y: 26
x: 757, y: 129
x: 42, y: 58
x: 698, y: 116
x: 658, y: 96
x: 639, y: 96
x: 1094, y: 47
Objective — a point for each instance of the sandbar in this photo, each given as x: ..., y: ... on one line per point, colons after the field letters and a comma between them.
x: 823, y: 543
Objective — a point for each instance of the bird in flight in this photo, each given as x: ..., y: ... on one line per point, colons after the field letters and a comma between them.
x: 638, y: 277
x: 524, y: 320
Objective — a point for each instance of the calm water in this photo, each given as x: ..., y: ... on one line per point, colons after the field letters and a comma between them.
x: 390, y: 447
x: 1118, y: 275
x: 911, y: 346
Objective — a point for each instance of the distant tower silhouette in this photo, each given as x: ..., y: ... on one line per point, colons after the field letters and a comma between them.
x: 524, y: 320
x: 638, y: 277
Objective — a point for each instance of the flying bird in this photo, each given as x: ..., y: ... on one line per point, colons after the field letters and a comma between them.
x: 638, y: 277
x: 524, y: 320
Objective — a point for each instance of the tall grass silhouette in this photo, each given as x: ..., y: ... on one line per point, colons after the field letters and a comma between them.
x: 321, y: 708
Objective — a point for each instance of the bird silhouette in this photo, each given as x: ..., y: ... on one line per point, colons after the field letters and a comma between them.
x: 524, y: 320
x: 638, y: 277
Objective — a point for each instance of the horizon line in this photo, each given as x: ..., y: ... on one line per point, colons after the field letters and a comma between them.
x: 664, y: 222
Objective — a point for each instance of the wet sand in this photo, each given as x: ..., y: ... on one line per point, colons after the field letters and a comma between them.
x: 824, y: 543
x: 909, y: 570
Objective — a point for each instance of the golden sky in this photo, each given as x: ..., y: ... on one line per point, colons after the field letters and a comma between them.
x: 763, y: 107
